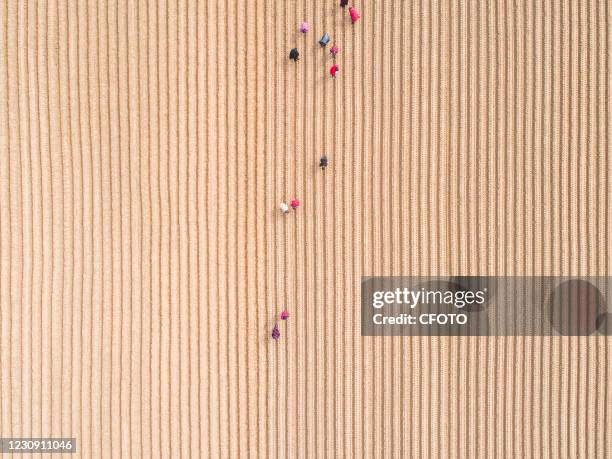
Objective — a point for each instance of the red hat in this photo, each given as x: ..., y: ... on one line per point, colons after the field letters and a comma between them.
x: 294, y: 203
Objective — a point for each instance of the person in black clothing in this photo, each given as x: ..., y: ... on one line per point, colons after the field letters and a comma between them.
x: 323, y: 162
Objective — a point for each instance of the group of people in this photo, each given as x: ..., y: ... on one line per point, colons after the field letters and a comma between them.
x: 294, y: 203
x: 294, y: 55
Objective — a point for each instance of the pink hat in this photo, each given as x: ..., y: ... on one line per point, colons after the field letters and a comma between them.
x: 294, y: 203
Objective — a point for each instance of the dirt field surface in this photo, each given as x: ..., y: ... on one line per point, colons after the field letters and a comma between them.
x: 145, y: 147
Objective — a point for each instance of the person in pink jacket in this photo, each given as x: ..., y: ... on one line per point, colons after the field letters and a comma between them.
x: 354, y: 14
x: 334, y: 50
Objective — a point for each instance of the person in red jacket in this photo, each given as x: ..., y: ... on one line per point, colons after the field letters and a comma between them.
x: 333, y: 70
x: 354, y: 14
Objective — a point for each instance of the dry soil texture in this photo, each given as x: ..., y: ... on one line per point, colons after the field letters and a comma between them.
x: 145, y: 147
